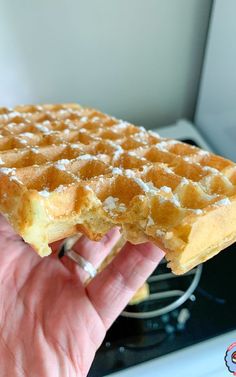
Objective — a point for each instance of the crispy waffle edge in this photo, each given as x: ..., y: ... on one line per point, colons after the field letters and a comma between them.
x: 66, y: 169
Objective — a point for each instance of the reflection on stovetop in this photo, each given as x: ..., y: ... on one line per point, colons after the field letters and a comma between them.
x: 209, y: 312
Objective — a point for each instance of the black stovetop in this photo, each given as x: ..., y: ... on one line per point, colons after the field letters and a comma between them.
x: 213, y: 313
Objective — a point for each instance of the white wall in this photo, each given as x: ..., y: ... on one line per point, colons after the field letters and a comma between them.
x: 139, y: 60
x: 216, y: 111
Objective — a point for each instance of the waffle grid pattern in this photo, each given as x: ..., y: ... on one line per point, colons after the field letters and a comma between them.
x: 52, y: 148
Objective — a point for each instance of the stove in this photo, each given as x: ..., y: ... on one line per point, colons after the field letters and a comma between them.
x: 180, y: 312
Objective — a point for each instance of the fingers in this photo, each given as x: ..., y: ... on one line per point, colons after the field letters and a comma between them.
x: 55, y: 246
x: 92, y: 251
x: 6, y: 229
x: 95, y: 252
x: 111, y: 290
x: 13, y: 250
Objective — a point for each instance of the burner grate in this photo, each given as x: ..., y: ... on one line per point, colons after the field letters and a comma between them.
x: 168, y: 290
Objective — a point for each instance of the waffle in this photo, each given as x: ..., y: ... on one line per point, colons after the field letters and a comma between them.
x: 67, y: 169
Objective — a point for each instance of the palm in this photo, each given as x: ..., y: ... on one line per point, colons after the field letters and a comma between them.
x: 49, y: 320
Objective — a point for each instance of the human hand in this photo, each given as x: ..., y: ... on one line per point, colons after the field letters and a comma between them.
x: 50, y: 323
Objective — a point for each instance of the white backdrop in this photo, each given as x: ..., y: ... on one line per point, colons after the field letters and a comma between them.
x: 136, y: 59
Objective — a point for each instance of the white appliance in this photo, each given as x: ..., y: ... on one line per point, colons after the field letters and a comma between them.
x: 216, y: 109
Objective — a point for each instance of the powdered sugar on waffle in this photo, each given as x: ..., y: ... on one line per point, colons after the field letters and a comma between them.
x: 184, y: 181
x: 163, y: 145
x: 148, y: 187
x: 13, y: 114
x: 74, y: 146
x: 22, y: 141
x: 44, y: 193
x: 16, y: 179
x: 175, y: 200
x: 11, y: 172
x: 164, y: 234
x: 160, y: 233
x: 84, y: 119
x: 121, y: 125
x: 223, y: 202
x: 87, y: 157
x: 8, y: 171
x: 150, y: 221
x: 82, y: 130
x: 188, y: 159
x: 110, y: 204
x: 132, y: 154
x: 60, y: 164
x: 211, y: 170
x: 198, y: 211
x: 27, y: 134
x: 203, y: 153
x: 116, y: 171
x: 42, y: 128
x: 118, y: 149
x: 167, y: 169
x: 34, y: 150
x: 166, y: 189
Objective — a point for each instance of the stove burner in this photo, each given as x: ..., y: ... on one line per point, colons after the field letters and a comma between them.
x: 164, y: 313
x: 179, y: 296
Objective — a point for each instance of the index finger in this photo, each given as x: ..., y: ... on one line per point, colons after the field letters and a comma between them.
x: 111, y: 290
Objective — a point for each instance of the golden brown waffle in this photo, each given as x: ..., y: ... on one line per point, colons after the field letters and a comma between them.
x: 66, y: 169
